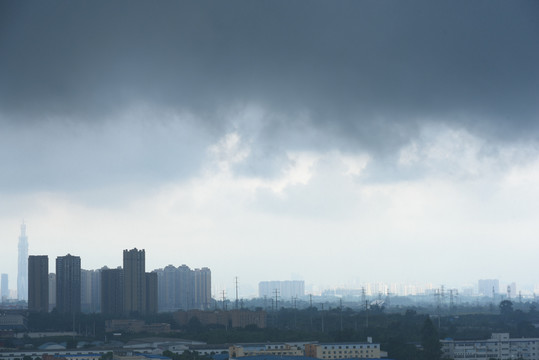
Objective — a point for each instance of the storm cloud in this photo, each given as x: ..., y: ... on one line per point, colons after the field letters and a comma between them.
x: 346, y: 75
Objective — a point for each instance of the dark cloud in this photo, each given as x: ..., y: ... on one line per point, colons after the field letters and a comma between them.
x: 366, y: 73
x: 342, y: 59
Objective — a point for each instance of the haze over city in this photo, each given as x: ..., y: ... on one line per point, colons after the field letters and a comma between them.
x: 333, y: 142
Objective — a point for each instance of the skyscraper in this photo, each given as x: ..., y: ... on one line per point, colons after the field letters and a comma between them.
x: 185, y: 296
x: 52, y: 291
x: 183, y: 288
x: 202, y: 288
x: 4, y: 288
x: 151, y: 293
x: 112, y: 291
x: 134, y: 281
x: 22, y: 275
x: 38, y: 283
x: 68, y: 285
x: 90, y: 291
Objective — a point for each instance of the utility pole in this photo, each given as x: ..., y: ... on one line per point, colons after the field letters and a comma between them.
x: 275, y: 314
x: 295, y: 312
x: 366, y: 314
x: 451, y: 304
x: 236, y: 293
x: 276, y: 292
x: 224, y: 301
x: 341, y: 312
x: 311, y: 309
x: 322, y: 317
x: 363, y: 295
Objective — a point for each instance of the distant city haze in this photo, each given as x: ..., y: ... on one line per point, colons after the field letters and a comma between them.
x: 338, y: 143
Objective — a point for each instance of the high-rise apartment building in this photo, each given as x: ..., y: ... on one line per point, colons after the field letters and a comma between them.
x: 112, y: 291
x: 151, y: 293
x: 38, y: 283
x: 52, y: 291
x: 182, y: 288
x: 134, y: 281
x: 22, y: 274
x: 185, y: 292
x: 68, y: 284
x: 202, y: 288
x: 90, y: 291
x: 4, y: 287
x: 168, y: 288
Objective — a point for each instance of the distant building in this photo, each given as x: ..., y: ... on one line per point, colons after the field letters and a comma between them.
x: 15, y: 322
x: 343, y: 350
x: 498, y: 347
x: 112, y: 291
x: 134, y: 281
x: 232, y: 318
x: 512, y: 291
x: 52, y: 291
x: 167, y: 285
x: 151, y: 293
x: 22, y: 275
x: 202, y: 288
x: 286, y: 289
x: 4, y: 287
x: 182, y: 288
x: 135, y: 326
x: 91, y: 291
x: 488, y: 287
x: 68, y: 284
x: 38, y: 283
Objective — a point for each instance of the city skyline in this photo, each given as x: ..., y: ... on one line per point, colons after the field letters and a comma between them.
x: 499, y: 287
x: 338, y: 143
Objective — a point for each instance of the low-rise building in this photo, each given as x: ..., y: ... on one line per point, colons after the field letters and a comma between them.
x: 242, y: 350
x: 16, y: 322
x: 366, y: 350
x: 53, y: 354
x: 500, y: 347
x: 233, y: 318
x: 135, y: 326
x: 131, y: 355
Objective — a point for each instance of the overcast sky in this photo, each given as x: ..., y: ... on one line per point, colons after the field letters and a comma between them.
x: 337, y: 142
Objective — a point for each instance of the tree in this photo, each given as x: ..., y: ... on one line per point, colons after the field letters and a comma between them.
x: 432, y: 348
x: 506, y: 307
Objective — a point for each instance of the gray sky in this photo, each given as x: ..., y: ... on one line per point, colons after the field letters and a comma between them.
x: 343, y: 141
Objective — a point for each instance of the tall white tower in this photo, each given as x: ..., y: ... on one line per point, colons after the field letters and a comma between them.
x: 22, y: 276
